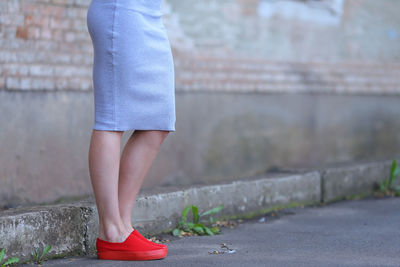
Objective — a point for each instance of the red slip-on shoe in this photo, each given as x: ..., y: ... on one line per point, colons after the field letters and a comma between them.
x: 132, y: 249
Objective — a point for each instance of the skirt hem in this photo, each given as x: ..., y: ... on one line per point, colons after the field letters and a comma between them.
x: 133, y: 128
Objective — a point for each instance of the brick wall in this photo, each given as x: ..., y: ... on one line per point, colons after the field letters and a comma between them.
x: 45, y: 46
x: 244, y: 74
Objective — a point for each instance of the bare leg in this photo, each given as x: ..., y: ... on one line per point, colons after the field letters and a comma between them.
x: 136, y: 160
x: 104, y: 159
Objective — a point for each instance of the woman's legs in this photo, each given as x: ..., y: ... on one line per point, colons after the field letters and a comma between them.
x: 136, y: 160
x: 115, y: 197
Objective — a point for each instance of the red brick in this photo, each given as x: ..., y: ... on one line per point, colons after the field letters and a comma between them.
x: 22, y: 32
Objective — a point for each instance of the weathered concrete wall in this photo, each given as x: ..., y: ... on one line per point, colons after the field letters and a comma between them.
x: 219, y: 137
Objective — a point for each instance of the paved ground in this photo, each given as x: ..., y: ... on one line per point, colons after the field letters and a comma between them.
x: 348, y: 233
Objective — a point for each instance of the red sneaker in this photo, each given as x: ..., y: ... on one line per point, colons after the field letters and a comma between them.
x: 134, y: 248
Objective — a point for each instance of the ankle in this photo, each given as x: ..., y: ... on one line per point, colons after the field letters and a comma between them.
x: 128, y: 226
x: 113, y: 233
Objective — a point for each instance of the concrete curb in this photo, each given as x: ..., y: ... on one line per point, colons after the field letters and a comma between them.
x: 339, y: 182
x: 71, y: 228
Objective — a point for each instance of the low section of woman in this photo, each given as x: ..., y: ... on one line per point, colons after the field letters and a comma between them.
x: 133, y: 82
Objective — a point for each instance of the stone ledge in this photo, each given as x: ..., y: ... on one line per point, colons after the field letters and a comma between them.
x: 71, y: 228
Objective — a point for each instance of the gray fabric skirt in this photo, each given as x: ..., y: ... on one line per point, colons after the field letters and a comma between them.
x: 133, y: 68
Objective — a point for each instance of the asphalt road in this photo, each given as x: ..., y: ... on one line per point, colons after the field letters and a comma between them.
x: 347, y: 233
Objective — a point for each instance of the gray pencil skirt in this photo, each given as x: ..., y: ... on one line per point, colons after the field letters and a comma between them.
x: 133, y: 68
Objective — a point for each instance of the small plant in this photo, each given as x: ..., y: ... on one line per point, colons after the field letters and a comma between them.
x: 39, y: 259
x: 196, y: 227
x: 387, y: 186
x: 9, y: 261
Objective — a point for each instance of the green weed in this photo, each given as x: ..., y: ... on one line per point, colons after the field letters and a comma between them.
x: 9, y: 261
x: 197, y: 226
x: 387, y: 186
x: 37, y: 257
